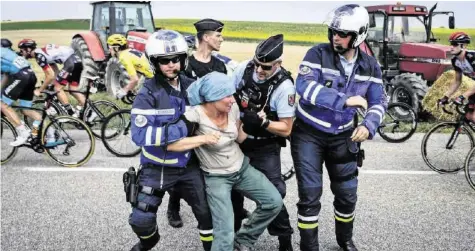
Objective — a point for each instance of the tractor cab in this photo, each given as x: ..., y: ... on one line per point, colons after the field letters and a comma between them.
x: 121, y: 17
x: 394, y: 25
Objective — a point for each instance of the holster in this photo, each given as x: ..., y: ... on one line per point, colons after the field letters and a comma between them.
x: 360, y: 153
x: 130, y: 179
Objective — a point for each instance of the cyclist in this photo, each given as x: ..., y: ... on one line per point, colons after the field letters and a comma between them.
x: 47, y: 58
x: 464, y: 64
x: 18, y: 83
x: 133, y: 60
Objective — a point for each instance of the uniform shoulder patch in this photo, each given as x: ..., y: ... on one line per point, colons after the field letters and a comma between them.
x: 140, y: 120
x: 291, y: 99
x: 304, y: 70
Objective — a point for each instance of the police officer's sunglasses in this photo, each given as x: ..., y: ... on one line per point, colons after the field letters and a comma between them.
x: 165, y: 61
x: 263, y: 67
x: 342, y: 34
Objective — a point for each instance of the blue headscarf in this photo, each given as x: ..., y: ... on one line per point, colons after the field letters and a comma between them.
x: 211, y: 87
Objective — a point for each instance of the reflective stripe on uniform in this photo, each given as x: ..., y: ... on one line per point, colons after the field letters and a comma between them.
x: 311, y: 65
x: 344, y: 217
x: 307, y: 222
x: 310, y: 117
x: 206, y: 235
x: 368, y: 78
x: 156, y: 159
x: 158, y: 136
x: 159, y: 112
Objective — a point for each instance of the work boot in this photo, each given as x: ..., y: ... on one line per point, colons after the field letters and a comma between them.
x: 347, y: 245
x: 285, y: 243
x: 174, y: 219
x: 147, y: 244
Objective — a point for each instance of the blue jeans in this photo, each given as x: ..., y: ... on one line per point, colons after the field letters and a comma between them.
x: 255, y: 186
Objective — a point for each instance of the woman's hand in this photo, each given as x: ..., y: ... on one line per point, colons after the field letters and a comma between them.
x: 212, y: 139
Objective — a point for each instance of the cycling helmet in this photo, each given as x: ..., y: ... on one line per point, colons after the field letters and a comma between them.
x: 459, y: 37
x: 165, y: 43
x: 27, y: 43
x: 352, y: 19
x: 6, y: 43
x: 117, y: 40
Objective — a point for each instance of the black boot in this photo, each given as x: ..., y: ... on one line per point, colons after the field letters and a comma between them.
x: 147, y: 244
x: 347, y: 245
x: 174, y: 219
x: 285, y: 243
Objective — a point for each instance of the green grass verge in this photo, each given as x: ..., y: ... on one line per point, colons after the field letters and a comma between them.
x: 241, y: 31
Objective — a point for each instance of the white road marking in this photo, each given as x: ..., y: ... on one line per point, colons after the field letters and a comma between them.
x: 75, y: 169
x: 110, y: 169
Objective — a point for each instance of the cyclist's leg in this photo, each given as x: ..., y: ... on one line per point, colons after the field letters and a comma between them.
x: 16, y: 84
x: 74, y: 78
x: 26, y: 100
x: 470, y: 109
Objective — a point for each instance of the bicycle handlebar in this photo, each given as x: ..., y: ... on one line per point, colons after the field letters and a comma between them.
x: 460, y: 108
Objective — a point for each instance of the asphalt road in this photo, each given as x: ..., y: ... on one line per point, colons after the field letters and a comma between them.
x: 402, y: 205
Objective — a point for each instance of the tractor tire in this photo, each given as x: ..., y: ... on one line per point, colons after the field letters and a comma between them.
x: 90, y: 68
x: 408, y: 88
x: 116, y: 76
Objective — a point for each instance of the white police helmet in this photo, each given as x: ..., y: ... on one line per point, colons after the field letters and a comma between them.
x: 166, y: 43
x: 350, y: 18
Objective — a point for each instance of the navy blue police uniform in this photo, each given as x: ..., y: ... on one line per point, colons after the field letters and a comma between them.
x: 158, y: 120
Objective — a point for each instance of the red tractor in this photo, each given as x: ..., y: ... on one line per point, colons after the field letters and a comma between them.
x: 132, y: 19
x: 400, y: 38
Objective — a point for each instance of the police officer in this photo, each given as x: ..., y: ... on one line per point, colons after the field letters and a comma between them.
x: 158, y: 120
x: 265, y: 94
x: 201, y: 63
x: 334, y: 79
x: 206, y: 59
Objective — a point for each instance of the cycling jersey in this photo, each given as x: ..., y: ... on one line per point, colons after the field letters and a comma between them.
x: 52, y: 54
x: 135, y: 61
x: 11, y: 62
x: 466, y: 67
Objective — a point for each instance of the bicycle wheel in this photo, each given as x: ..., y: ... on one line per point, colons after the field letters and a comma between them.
x: 94, y: 119
x: 40, y: 104
x: 396, y: 128
x: 470, y: 168
x: 438, y: 156
x: 116, y: 134
x: 74, y: 141
x: 8, y: 134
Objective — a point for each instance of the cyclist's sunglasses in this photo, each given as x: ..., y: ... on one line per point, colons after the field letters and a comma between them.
x: 453, y: 43
x: 165, y: 61
x: 342, y: 34
x: 263, y: 67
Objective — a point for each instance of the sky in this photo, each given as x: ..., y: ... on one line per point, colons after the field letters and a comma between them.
x: 274, y: 11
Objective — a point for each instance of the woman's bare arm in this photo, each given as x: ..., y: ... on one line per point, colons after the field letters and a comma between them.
x: 241, y: 134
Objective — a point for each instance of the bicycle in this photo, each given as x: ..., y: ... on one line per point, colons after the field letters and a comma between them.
x: 399, y: 123
x: 469, y: 168
x: 56, y: 127
x: 93, y: 113
x: 117, y: 129
x: 445, y: 135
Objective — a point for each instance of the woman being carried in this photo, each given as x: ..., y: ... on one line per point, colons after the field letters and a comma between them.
x: 225, y: 166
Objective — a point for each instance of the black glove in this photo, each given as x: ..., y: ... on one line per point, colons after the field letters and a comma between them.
x: 191, y: 127
x: 443, y: 101
x: 459, y: 100
x: 252, y: 119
